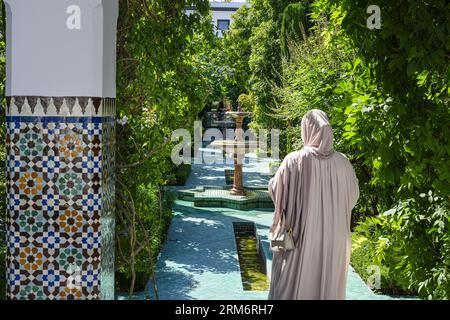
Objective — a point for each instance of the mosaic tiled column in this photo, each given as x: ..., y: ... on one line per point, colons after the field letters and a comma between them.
x: 60, y: 149
x: 60, y: 155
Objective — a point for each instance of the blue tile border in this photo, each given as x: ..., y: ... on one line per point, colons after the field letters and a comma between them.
x: 45, y: 119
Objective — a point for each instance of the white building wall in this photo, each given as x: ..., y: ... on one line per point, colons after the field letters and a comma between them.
x: 222, y: 11
x: 221, y: 15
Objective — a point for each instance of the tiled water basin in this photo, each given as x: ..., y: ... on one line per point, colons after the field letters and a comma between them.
x: 251, y: 261
x: 220, y: 197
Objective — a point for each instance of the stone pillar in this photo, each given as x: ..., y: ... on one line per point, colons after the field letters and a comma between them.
x: 239, y: 154
x: 60, y: 148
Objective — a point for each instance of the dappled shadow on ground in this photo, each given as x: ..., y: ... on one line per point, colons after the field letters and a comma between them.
x: 255, y: 179
x: 199, y: 255
x: 256, y: 171
x: 176, y: 286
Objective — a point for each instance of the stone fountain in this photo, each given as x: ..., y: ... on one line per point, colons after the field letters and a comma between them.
x: 237, y: 148
x: 238, y: 198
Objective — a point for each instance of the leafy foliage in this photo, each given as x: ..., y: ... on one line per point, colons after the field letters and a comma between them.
x: 164, y: 80
x: 363, y: 264
x: 411, y: 243
x: 237, y: 50
x: 414, y: 39
x: 254, y: 51
x: 294, y: 26
x: 180, y: 175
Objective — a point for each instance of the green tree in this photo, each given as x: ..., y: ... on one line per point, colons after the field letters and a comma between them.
x: 294, y: 26
x: 413, y: 40
x: 253, y: 45
x: 265, y: 59
x: 163, y: 83
x: 237, y: 50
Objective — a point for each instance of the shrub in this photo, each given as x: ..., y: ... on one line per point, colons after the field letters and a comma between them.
x: 164, y: 79
x: 294, y: 26
x: 363, y: 263
x: 179, y: 178
x: 152, y: 218
x: 411, y: 242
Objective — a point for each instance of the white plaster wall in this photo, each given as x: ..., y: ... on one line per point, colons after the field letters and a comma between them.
x: 222, y: 15
x: 45, y: 58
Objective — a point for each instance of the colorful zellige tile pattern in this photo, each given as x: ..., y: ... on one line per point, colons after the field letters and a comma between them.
x: 59, y: 190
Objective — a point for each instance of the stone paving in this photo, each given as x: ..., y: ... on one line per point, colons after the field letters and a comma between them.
x: 199, y: 259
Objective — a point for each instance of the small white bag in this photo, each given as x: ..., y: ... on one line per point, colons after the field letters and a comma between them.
x: 281, y: 239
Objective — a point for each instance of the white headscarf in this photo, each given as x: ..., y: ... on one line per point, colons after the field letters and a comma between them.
x: 317, y: 134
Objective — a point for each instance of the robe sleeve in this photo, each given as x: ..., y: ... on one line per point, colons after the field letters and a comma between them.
x: 279, y: 192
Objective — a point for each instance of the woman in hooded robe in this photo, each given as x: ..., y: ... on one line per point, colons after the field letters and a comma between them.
x: 314, y: 192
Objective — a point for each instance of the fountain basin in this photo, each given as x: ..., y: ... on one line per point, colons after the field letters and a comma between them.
x: 235, y: 147
x: 238, y: 114
x: 212, y: 196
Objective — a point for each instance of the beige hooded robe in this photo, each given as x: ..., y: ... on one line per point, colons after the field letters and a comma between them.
x: 314, y: 190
